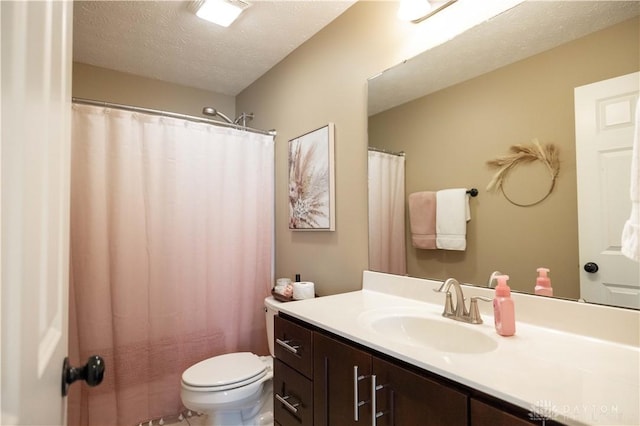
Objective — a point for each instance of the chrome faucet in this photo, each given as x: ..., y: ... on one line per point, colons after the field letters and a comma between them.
x: 460, y: 309
x: 460, y: 312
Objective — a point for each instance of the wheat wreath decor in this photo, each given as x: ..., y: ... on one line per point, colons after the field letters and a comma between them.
x: 521, y: 154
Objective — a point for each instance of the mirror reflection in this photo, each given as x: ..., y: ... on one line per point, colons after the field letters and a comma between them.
x: 442, y: 115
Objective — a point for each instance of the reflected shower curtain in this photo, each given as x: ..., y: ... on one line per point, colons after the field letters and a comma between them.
x: 171, y: 255
x: 387, y: 252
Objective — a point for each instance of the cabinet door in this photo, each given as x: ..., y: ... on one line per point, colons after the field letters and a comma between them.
x: 335, y: 386
x: 486, y: 415
x: 406, y: 398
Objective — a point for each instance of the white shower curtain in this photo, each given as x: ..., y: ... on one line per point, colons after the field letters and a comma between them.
x: 171, y: 254
x: 387, y: 251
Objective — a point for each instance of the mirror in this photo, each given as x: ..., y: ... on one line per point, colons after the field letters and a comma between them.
x: 506, y: 81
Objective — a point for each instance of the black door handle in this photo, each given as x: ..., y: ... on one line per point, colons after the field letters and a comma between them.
x: 591, y: 267
x: 92, y: 373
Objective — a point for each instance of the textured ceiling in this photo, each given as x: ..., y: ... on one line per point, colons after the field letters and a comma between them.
x: 525, y: 30
x: 166, y: 41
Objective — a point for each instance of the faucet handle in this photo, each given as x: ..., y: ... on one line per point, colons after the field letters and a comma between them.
x: 441, y: 288
x: 474, y: 312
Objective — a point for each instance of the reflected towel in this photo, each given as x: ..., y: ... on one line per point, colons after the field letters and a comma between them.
x: 452, y: 214
x: 631, y: 231
x: 422, y: 219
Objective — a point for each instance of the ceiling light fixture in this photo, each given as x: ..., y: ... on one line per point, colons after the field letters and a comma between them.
x: 221, y: 12
x: 419, y: 10
x: 410, y: 10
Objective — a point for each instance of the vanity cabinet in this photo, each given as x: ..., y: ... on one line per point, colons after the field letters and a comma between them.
x: 336, y: 369
x: 352, y: 386
x: 407, y: 398
x: 324, y: 380
x: 483, y: 414
x: 292, y: 374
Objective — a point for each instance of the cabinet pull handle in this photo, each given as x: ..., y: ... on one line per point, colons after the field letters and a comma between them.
x: 286, y: 344
x: 291, y: 407
x: 356, y: 399
x: 374, y: 388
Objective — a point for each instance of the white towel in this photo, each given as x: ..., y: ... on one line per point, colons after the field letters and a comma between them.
x: 631, y: 230
x: 452, y: 215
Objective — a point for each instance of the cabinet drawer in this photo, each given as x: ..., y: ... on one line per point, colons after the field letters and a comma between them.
x: 297, y: 391
x: 294, y: 346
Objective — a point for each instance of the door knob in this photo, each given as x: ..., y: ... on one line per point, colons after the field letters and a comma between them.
x: 92, y: 373
x: 591, y: 267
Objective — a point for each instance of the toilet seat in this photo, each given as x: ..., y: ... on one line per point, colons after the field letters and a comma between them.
x: 224, y: 372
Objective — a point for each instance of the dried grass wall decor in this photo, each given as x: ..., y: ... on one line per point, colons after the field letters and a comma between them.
x: 523, y: 154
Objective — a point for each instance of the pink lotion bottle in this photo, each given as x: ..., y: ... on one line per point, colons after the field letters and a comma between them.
x: 504, y: 314
x: 543, y: 283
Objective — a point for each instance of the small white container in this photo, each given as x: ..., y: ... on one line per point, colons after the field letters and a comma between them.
x: 283, y: 286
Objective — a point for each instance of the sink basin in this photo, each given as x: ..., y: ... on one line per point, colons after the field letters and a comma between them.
x: 416, y: 328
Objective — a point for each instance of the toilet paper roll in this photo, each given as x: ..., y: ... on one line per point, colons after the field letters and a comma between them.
x: 303, y: 290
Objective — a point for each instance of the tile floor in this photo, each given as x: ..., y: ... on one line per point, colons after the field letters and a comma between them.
x: 187, y: 419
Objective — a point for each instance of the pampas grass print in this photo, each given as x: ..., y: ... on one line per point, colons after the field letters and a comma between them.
x: 307, y: 186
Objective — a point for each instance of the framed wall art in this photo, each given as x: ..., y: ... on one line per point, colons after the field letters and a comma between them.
x: 311, y: 181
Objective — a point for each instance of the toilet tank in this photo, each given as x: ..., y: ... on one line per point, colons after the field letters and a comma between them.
x: 270, y: 311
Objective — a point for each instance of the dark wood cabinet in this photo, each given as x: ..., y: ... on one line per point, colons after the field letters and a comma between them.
x: 408, y: 398
x: 292, y: 374
x: 293, y: 396
x: 294, y: 346
x: 483, y: 414
x: 326, y: 380
x: 343, y: 387
x: 341, y: 383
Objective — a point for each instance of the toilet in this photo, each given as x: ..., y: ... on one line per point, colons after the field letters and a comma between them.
x: 233, y: 389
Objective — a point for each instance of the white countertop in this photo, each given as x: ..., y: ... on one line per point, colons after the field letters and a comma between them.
x: 569, y: 377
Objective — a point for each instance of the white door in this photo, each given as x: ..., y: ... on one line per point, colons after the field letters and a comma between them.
x: 36, y: 120
x: 605, y: 115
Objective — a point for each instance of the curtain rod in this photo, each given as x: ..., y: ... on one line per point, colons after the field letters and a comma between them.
x: 384, y: 151
x: 171, y: 115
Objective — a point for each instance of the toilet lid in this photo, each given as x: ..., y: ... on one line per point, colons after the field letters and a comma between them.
x: 228, y: 370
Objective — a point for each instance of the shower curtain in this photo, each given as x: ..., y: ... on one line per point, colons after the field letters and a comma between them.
x: 171, y: 255
x: 387, y: 252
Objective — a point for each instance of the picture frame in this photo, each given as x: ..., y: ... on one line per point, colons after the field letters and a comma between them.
x: 312, y: 181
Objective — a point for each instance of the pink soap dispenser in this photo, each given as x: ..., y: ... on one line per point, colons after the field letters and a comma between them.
x: 504, y: 313
x: 543, y: 283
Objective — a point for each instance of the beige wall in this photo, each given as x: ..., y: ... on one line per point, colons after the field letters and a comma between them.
x: 448, y: 137
x: 107, y: 85
x: 325, y: 81
x: 322, y: 81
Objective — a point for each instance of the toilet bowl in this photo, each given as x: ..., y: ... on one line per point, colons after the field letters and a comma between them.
x: 233, y: 389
